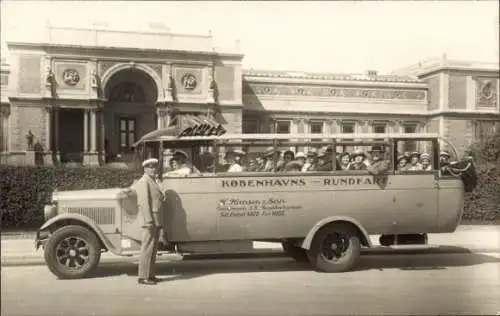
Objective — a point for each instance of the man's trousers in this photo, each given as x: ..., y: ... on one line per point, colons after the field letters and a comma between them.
x: 149, y: 248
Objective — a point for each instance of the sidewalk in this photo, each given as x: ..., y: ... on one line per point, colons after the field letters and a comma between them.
x: 474, y: 238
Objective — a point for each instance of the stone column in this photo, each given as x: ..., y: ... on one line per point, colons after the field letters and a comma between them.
x: 102, y: 134
x: 401, y: 144
x: 48, y: 159
x: 85, y: 131
x: 91, y: 158
x: 55, y: 149
x: 93, y: 131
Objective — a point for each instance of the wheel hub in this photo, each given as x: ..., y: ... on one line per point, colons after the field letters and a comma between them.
x: 73, y: 253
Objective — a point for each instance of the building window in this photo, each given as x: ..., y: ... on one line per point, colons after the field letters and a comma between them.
x: 410, y: 146
x: 316, y: 127
x: 250, y: 126
x: 410, y: 128
x: 348, y: 128
x: 379, y: 128
x: 127, y: 134
x: 283, y: 127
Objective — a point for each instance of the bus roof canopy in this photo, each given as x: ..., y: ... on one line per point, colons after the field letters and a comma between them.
x: 172, y: 134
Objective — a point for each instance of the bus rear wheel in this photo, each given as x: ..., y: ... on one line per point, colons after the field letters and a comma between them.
x: 335, y: 248
x: 294, y: 251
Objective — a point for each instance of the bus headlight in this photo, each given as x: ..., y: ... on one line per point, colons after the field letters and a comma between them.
x: 49, y: 211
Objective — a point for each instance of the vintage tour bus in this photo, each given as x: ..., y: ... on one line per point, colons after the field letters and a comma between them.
x: 321, y: 196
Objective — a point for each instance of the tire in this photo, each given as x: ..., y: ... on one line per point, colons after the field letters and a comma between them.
x: 76, y: 246
x: 294, y: 251
x: 343, y: 257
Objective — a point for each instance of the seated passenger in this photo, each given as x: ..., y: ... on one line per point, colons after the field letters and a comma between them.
x: 311, y: 161
x: 301, y: 159
x: 234, y: 158
x: 271, y: 155
x: 444, y: 161
x: 378, y: 164
x: 425, y: 160
x: 261, y: 163
x: 402, y: 163
x: 414, y: 164
x: 345, y: 161
x: 184, y: 168
x: 288, y: 156
x: 324, y: 160
x: 359, y: 160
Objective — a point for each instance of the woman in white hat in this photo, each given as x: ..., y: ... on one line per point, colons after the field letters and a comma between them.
x: 425, y: 161
x: 414, y: 164
x: 234, y: 158
x: 359, y: 160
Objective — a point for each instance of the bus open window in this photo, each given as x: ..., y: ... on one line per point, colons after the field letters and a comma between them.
x: 422, y: 158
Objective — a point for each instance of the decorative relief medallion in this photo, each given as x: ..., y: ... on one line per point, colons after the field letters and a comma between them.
x: 335, y: 92
x: 486, y: 92
x: 71, y: 76
x: 189, y: 81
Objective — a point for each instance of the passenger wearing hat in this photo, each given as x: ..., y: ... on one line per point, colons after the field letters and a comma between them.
x: 378, y: 164
x: 345, y: 161
x: 359, y: 160
x: 425, y: 161
x: 414, y: 164
x: 311, y: 160
x: 402, y: 163
x: 234, y: 158
x: 184, y: 169
x: 272, y: 156
x: 444, y: 158
x: 324, y: 160
x: 149, y: 201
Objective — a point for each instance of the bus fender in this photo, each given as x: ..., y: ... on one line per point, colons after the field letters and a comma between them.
x: 363, y: 234
x: 76, y: 219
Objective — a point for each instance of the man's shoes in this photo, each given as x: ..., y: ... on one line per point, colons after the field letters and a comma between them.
x: 147, y: 281
x: 154, y: 279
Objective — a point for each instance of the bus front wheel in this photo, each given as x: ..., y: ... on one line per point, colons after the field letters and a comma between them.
x: 335, y: 248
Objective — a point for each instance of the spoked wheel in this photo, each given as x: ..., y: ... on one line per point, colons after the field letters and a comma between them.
x: 72, y: 252
x: 335, y: 248
x: 294, y: 251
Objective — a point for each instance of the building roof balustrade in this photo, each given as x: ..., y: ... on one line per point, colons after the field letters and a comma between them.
x: 106, y: 38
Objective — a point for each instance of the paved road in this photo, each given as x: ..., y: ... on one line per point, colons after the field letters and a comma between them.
x: 389, y: 284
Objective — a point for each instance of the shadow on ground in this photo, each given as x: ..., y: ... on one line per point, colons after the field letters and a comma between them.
x: 182, y: 270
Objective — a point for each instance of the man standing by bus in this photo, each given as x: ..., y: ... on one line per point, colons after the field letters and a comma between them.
x: 149, y: 200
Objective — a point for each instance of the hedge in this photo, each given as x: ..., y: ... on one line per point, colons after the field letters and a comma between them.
x: 25, y: 190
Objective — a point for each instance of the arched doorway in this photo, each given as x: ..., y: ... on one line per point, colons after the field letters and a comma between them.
x: 130, y: 111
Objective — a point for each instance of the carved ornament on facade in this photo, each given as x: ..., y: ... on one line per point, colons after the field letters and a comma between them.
x: 286, y: 90
x: 105, y: 65
x: 71, y: 77
x: 486, y: 91
x: 189, y: 81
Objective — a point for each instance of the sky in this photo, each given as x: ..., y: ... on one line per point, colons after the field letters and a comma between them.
x: 328, y: 36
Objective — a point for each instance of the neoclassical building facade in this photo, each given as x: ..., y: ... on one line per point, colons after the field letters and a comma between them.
x: 86, y: 95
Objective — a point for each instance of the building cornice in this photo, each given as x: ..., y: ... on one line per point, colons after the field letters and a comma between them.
x: 96, y: 50
x: 259, y: 75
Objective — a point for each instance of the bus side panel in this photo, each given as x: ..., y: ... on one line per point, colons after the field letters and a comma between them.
x: 415, y: 197
x: 451, y: 204
x: 189, y: 214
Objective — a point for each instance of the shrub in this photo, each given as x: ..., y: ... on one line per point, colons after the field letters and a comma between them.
x: 483, y: 204
x: 25, y: 190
